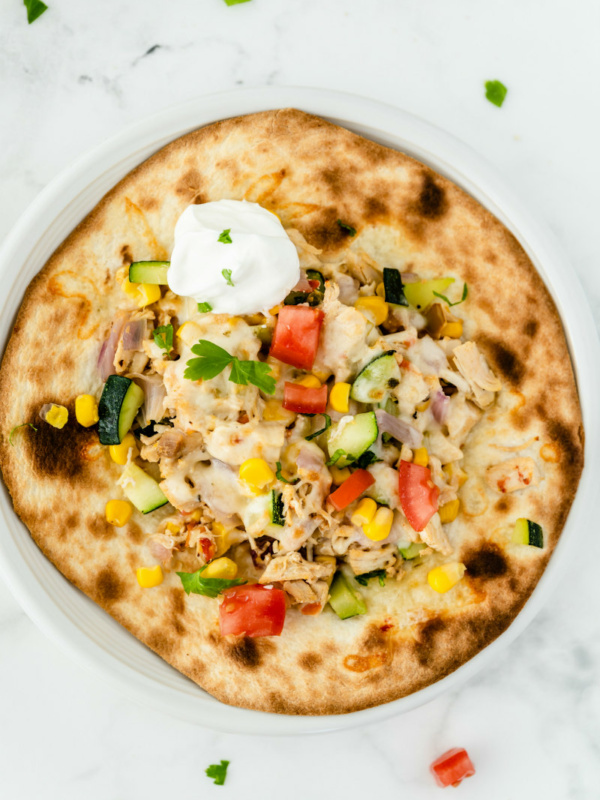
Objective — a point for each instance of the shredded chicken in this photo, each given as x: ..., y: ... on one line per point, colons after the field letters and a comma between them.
x: 474, y: 368
x: 363, y: 561
x: 292, y: 567
x: 433, y: 534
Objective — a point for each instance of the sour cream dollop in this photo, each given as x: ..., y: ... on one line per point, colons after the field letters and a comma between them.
x: 251, y: 273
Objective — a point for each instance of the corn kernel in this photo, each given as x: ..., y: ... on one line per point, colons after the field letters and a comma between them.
x: 86, y: 410
x: 449, y: 511
x: 423, y: 406
x: 148, y: 577
x: 173, y: 528
x: 275, y: 310
x: 130, y: 289
x: 189, y: 333
x: 421, y: 456
x: 452, y: 329
x: 118, y: 512
x: 364, y: 513
x: 339, y: 397
x: 275, y: 412
x: 148, y: 293
x: 339, y: 475
x: 195, y: 516
x: 443, y: 578
x: 453, y: 471
x: 321, y: 374
x: 380, y: 526
x: 57, y: 416
x: 223, y: 568
x: 380, y: 290
x: 375, y: 306
x: 310, y: 382
x: 256, y: 472
x: 120, y: 452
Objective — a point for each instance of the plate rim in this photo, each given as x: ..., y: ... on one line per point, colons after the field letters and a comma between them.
x: 447, y: 155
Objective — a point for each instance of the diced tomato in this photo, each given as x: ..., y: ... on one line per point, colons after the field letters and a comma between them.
x: 252, y: 610
x: 296, y: 336
x: 451, y: 768
x: 351, y: 488
x: 311, y: 609
x: 303, y: 400
x: 208, y: 549
x: 418, y: 494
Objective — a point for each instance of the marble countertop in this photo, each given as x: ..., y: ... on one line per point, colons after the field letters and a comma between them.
x: 79, y: 74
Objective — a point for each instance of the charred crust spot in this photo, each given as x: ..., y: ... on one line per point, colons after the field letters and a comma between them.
x: 59, y: 453
x: 323, y: 231
x: 278, y: 704
x: 486, y: 563
x: 336, y: 181
x: 109, y: 588
x: 503, y: 504
x: 177, y: 601
x: 310, y: 661
x: 197, y: 669
x: 564, y: 437
x: 100, y: 528
x: 428, y: 634
x: 160, y: 642
x: 531, y: 328
x: 432, y: 203
x: 374, y: 209
x: 189, y: 187
x: 374, y: 638
x: 244, y: 653
x: 126, y: 255
x: 135, y: 533
x: 148, y: 203
x: 506, y: 360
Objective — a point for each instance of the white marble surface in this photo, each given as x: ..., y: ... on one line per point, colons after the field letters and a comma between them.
x: 81, y: 72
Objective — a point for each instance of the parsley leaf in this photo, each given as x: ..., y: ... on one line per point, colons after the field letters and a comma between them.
x: 224, y: 237
x: 204, y: 308
x: 366, y: 459
x: 35, y: 9
x: 226, y: 273
x: 219, y: 771
x: 209, y: 587
x: 213, y: 360
x: 163, y: 337
x: 318, y: 433
x: 279, y: 476
x: 335, y: 458
x: 366, y: 577
x: 495, y: 92
x: 16, y: 428
x: 458, y: 302
x: 348, y: 228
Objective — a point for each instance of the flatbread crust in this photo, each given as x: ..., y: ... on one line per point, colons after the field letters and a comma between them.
x: 311, y: 173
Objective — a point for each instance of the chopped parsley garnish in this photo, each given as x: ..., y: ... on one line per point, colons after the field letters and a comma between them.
x: 209, y: 587
x: 163, y: 337
x: 226, y: 273
x: 224, y: 236
x: 366, y: 577
x: 204, y: 308
x: 495, y: 91
x: 279, y: 476
x: 213, y: 360
x: 16, y: 428
x: 458, y: 302
x: 366, y: 459
x: 348, y: 228
x: 319, y: 432
x: 35, y: 9
x: 219, y: 771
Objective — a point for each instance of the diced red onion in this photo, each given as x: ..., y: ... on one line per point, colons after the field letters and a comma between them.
x: 440, y: 406
x: 154, y: 396
x: 303, y: 285
x: 399, y: 429
x: 161, y: 548
x: 106, y: 358
x: 134, y: 334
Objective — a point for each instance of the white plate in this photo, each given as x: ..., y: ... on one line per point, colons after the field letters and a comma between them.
x: 69, y: 617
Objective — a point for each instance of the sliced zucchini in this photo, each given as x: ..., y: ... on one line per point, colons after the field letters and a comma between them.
x: 345, y: 600
x: 410, y: 550
x: 528, y: 532
x: 276, y: 509
x: 258, y: 517
x: 393, y: 287
x: 376, y: 379
x: 420, y: 295
x: 352, y: 436
x: 120, y: 402
x: 141, y: 488
x: 149, y: 272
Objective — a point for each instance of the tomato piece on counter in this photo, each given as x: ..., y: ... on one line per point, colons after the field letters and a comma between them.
x: 296, y: 336
x: 252, y: 610
x: 351, y: 488
x: 418, y: 494
x: 452, y: 767
x: 304, y: 400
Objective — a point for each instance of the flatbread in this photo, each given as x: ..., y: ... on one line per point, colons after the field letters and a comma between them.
x: 312, y: 173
